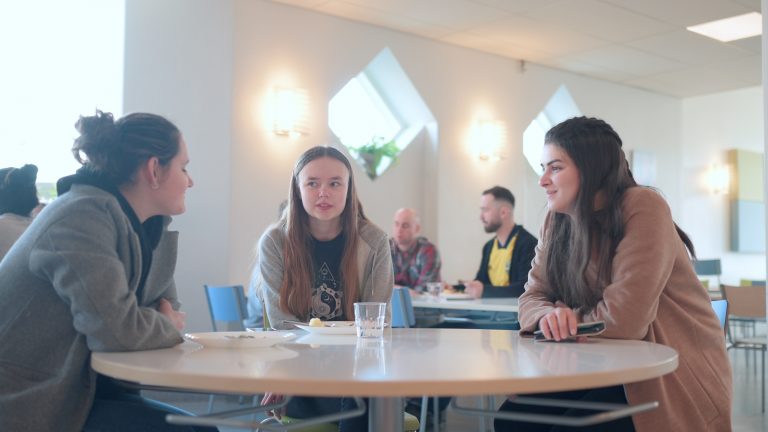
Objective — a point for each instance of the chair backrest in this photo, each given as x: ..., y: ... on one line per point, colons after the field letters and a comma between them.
x: 745, y: 302
x: 721, y: 310
x: 706, y: 270
x: 226, y: 303
x: 750, y: 282
x: 402, y: 308
x: 710, y: 267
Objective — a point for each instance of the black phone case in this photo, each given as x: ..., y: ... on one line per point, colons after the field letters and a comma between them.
x: 583, y: 329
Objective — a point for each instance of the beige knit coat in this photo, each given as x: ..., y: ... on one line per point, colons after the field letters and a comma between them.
x: 654, y: 295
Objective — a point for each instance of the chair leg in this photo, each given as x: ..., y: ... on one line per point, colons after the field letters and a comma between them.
x: 436, y: 414
x: 210, y: 402
x: 762, y: 381
x: 423, y: 413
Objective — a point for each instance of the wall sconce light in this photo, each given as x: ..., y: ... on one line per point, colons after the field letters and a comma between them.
x: 488, y: 138
x: 719, y: 179
x: 290, y: 107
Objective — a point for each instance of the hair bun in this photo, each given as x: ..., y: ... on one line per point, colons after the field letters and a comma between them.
x: 98, y: 136
x: 97, y: 128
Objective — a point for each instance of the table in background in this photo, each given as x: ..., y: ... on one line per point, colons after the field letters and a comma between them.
x: 508, y: 304
x: 406, y: 362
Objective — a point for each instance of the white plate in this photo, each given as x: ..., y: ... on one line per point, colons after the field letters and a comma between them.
x: 331, y: 328
x: 456, y: 296
x: 326, y: 339
x: 241, y: 339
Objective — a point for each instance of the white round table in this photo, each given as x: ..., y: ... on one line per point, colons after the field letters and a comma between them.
x: 406, y: 362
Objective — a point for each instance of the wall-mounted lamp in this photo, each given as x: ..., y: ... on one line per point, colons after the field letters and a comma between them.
x: 290, y: 107
x: 719, y: 179
x: 488, y: 138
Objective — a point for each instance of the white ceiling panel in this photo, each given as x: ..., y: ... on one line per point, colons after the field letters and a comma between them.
x: 682, y: 12
x: 627, y: 60
x: 753, y: 5
x: 306, y: 4
x: 689, y: 48
x: 455, y: 14
x: 753, y: 44
x: 601, y: 20
x: 371, y: 16
x: 697, y: 80
x: 517, y: 6
x: 590, y: 70
x: 537, y: 35
x: 642, y: 43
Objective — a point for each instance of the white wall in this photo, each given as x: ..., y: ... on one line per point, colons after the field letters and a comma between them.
x: 712, y: 125
x: 178, y: 63
x: 277, y: 44
x: 210, y: 66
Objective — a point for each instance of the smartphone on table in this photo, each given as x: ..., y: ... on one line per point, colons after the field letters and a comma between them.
x: 584, y: 329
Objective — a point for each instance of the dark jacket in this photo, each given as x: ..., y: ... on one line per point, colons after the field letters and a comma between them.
x: 522, y: 255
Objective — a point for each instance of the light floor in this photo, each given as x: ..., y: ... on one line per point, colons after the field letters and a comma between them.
x: 746, y: 402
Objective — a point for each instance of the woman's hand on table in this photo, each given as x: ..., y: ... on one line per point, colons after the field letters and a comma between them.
x: 560, y: 323
x: 178, y: 318
x: 272, y: 398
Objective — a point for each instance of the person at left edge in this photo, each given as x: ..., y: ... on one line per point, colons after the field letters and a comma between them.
x: 94, y: 272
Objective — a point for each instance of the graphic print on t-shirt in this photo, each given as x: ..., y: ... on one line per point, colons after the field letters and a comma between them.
x: 326, y: 298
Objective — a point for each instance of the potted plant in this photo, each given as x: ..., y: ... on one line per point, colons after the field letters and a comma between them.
x: 371, y: 154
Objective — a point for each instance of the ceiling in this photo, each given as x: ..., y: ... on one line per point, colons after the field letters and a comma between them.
x: 639, y: 43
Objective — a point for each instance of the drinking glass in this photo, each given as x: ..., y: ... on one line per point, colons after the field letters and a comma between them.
x: 369, y: 319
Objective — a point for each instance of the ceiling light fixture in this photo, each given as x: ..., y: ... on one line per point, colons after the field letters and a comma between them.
x: 731, y: 29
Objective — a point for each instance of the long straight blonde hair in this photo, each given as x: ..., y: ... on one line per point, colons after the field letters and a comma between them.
x: 298, y: 275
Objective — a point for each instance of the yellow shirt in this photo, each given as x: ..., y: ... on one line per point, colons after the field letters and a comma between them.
x: 499, y: 262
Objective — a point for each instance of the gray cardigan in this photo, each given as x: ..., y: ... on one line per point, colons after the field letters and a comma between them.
x: 68, y: 288
x: 374, y: 264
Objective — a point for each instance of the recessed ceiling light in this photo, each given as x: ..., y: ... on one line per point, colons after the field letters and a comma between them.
x: 731, y: 29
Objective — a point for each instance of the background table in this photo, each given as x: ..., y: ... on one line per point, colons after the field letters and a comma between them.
x: 483, y: 304
x: 406, y: 362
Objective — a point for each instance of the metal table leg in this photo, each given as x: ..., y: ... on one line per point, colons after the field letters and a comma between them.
x: 385, y: 414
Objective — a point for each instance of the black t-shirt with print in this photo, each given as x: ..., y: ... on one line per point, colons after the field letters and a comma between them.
x: 327, y: 292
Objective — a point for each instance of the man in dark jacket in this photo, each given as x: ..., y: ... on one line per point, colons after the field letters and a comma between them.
x: 507, y: 257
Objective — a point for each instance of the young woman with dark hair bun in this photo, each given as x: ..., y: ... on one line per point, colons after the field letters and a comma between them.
x: 94, y: 272
x: 610, y: 251
x: 18, y: 197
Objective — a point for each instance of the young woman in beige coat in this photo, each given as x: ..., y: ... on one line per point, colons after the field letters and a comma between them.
x: 610, y: 251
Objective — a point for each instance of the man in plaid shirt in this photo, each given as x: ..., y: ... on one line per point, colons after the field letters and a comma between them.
x: 414, y: 259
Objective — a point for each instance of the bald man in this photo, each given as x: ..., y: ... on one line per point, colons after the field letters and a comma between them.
x: 414, y: 259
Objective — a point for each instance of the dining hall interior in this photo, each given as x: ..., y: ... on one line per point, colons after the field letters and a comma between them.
x: 688, y: 108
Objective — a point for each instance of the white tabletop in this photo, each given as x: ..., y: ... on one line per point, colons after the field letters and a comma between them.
x: 407, y: 362
x: 483, y: 304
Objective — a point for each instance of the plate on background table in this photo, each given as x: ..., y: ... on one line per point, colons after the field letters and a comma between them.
x: 240, y: 339
x: 455, y: 296
x: 330, y: 328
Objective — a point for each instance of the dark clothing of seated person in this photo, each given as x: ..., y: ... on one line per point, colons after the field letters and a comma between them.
x: 504, y: 267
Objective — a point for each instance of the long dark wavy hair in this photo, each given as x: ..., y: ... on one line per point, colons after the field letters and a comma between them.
x: 604, y: 175
x: 296, y: 290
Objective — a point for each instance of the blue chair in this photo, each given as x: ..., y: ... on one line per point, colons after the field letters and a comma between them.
x: 721, y: 310
x: 402, y: 308
x: 227, y: 304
